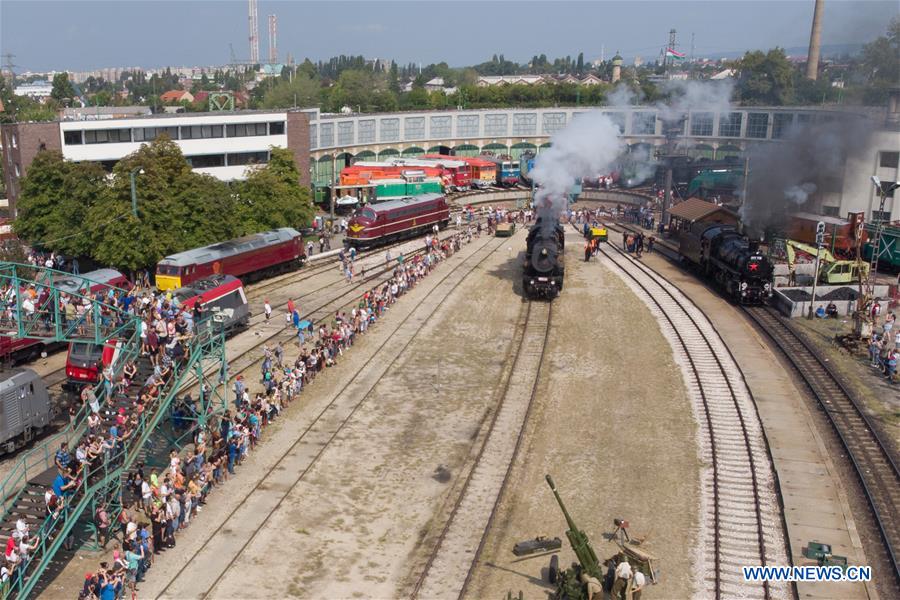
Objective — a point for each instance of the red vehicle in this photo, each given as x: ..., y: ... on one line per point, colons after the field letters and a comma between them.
x: 86, y: 360
x: 363, y: 173
x: 484, y: 172
x: 459, y: 169
x: 222, y: 296
x: 16, y: 350
x: 100, y: 280
x: 840, y: 234
x: 253, y: 256
x: 396, y: 219
x: 24, y: 349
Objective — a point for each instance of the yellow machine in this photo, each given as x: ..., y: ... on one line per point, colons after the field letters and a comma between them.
x: 505, y: 229
x: 599, y: 233
x: 831, y: 270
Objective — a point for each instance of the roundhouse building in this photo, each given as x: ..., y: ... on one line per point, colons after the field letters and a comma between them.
x: 223, y: 144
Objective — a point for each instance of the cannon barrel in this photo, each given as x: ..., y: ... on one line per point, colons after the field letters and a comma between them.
x: 579, y: 541
x: 562, y: 506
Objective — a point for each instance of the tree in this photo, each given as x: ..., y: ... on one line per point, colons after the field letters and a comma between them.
x: 55, y: 200
x: 881, y: 60
x: 272, y: 196
x: 765, y: 79
x: 302, y: 91
x: 62, y: 87
x: 177, y: 209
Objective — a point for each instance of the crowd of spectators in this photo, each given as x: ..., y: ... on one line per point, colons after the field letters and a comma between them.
x: 161, y: 503
x: 884, y: 348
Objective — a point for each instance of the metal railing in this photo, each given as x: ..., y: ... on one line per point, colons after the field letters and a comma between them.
x: 104, y: 481
x: 33, y: 306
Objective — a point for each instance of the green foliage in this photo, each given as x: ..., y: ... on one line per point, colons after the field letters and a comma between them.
x: 75, y: 209
x: 881, y: 63
x: 272, y: 196
x: 54, y: 203
x: 765, y: 79
x: 62, y: 87
x: 302, y: 91
x: 354, y: 88
x: 23, y: 108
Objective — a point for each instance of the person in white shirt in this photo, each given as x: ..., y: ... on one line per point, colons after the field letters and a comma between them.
x: 638, y: 585
x: 623, y: 578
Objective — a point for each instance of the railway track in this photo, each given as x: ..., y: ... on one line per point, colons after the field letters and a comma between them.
x: 868, y: 452
x: 455, y: 554
x: 740, y: 521
x: 294, y: 465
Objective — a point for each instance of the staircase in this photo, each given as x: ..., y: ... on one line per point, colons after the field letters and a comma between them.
x: 105, y: 481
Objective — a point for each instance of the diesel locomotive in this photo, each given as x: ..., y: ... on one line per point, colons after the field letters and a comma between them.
x: 542, y: 275
x: 728, y: 259
x: 25, y: 410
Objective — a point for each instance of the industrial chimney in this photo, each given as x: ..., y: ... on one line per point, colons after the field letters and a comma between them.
x: 815, y: 41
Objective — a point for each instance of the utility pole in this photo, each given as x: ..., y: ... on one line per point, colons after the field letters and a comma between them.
x: 882, y: 189
x: 820, y: 240
x: 133, y: 174
x: 334, y: 179
x: 691, y: 59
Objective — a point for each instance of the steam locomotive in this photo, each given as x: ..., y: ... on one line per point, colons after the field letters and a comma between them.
x: 542, y: 275
x: 730, y: 260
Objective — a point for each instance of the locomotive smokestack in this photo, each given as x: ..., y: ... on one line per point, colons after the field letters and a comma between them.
x: 815, y: 41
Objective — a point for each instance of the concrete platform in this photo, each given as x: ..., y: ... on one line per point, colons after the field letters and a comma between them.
x: 816, y: 504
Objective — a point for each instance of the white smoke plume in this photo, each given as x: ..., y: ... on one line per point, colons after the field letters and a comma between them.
x: 588, y: 145
x: 686, y: 96
x: 799, y: 194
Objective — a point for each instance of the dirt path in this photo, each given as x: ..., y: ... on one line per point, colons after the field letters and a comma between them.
x: 613, y: 426
x: 356, y: 522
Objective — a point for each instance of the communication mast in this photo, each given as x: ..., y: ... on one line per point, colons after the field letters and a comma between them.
x: 254, y: 33
x: 670, y: 48
x: 273, y: 39
x: 9, y: 66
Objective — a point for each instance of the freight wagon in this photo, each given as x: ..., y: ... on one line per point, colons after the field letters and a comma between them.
x: 889, y: 245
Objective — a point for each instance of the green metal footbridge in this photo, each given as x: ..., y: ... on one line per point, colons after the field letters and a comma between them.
x: 38, y: 303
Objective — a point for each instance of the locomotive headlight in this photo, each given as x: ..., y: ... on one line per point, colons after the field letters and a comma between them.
x: 743, y: 285
x: 532, y: 282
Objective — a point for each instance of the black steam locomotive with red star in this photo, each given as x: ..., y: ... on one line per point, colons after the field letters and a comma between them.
x: 734, y: 263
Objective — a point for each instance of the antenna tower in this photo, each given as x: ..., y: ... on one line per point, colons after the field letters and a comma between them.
x: 254, y: 33
x: 671, y: 46
x: 273, y: 39
x: 9, y: 66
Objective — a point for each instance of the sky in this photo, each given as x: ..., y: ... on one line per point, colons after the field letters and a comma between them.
x: 84, y: 35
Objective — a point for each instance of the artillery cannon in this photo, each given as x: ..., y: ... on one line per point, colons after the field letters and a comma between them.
x: 568, y: 583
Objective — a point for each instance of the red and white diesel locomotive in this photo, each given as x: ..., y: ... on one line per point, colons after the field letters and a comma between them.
x: 396, y: 219
x: 251, y: 256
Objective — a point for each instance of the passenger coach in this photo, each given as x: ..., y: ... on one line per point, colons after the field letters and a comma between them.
x: 252, y: 256
x: 387, y: 221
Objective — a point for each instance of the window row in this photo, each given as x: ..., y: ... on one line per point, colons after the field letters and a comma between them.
x: 234, y: 159
x: 187, y: 132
